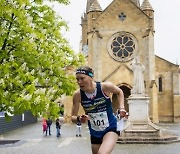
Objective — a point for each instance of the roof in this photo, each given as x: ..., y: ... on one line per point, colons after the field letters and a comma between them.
x: 146, y: 5
x: 95, y: 6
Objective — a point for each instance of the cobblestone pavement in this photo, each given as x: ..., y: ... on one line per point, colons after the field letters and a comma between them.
x: 32, y: 141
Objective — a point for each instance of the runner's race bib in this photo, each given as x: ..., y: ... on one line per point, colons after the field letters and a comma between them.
x: 99, y: 121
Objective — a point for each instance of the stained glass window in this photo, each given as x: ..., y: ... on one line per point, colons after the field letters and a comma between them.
x: 122, y: 47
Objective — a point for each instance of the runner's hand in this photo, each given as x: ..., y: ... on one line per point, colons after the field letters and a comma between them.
x: 84, y: 118
x: 121, y: 113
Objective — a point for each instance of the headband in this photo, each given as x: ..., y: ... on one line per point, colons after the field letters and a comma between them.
x: 86, y: 72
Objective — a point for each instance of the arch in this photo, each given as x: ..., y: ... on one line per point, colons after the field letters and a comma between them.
x: 127, y: 92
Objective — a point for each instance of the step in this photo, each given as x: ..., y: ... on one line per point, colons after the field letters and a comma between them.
x: 164, y: 139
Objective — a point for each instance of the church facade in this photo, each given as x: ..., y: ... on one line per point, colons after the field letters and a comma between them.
x: 112, y: 38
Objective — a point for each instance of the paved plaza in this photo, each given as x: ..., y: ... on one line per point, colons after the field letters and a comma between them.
x: 32, y: 141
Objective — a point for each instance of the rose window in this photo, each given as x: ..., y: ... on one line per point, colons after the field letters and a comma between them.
x: 122, y: 47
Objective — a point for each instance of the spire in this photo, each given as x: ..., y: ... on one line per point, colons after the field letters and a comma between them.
x: 88, y: 5
x: 136, y: 2
x: 95, y: 6
x: 146, y: 5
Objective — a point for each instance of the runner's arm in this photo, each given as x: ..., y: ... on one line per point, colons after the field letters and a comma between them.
x: 75, y: 107
x: 109, y: 88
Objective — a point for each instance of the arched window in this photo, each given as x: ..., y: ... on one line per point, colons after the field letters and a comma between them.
x: 160, y: 84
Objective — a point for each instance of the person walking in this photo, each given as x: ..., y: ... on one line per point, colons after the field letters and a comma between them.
x: 49, y: 123
x: 58, y: 127
x: 78, y: 128
x: 95, y: 98
x: 44, y: 125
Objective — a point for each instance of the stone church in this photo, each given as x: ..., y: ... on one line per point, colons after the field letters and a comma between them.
x: 112, y: 38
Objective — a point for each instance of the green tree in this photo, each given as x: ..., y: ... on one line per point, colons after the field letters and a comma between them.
x: 34, y: 58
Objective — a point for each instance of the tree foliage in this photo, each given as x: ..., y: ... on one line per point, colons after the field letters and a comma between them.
x: 34, y: 58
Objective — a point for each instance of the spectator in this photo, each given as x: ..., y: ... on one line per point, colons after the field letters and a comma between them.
x: 58, y: 127
x: 49, y: 123
x: 44, y: 125
x: 78, y: 130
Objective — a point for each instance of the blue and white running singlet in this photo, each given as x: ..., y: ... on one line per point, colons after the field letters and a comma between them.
x: 99, y: 111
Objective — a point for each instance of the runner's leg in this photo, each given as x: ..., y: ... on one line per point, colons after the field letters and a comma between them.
x: 108, y: 144
x: 95, y: 148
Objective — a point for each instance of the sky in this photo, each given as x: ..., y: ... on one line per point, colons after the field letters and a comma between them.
x: 167, y: 25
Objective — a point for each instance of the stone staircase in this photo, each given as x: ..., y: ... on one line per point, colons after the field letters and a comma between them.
x: 165, y: 139
x: 146, y: 134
